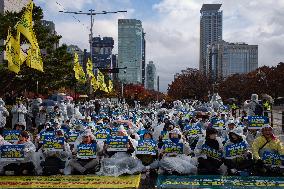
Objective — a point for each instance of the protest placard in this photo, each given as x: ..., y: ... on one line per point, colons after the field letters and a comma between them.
x: 12, y: 152
x: 171, y: 147
x: 210, y: 152
x: 193, y: 130
x: 273, y: 159
x: 256, y: 122
x: 11, y: 136
x: 117, y: 143
x: 217, y: 123
x: 54, y: 144
x: 235, y: 150
x: 102, y: 134
x: 72, y: 137
x: 146, y: 147
x: 87, y: 151
x: 46, y: 135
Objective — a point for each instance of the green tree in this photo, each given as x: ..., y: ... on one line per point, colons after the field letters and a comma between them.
x: 58, y: 67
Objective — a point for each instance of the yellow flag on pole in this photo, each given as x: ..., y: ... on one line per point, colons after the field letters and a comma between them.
x: 79, y: 72
x: 110, y: 86
x: 25, y: 25
x: 34, y: 59
x: 13, y: 50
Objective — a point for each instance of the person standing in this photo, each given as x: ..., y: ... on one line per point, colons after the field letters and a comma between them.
x: 3, y: 114
x: 19, y: 112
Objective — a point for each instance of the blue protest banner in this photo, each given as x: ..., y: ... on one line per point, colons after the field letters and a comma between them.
x: 87, y: 151
x: 72, y: 137
x: 171, y: 147
x: 12, y: 152
x: 117, y: 143
x: 165, y: 135
x: 270, y: 158
x: 102, y: 134
x: 193, y: 130
x: 235, y: 150
x: 217, y: 123
x: 54, y: 144
x: 11, y: 136
x: 146, y: 147
x: 46, y: 135
x: 256, y: 122
x: 210, y: 152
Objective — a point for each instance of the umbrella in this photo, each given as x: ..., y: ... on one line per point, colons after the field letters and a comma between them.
x: 48, y: 103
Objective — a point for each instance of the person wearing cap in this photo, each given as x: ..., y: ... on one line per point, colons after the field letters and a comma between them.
x: 243, y: 162
x: 206, y: 164
x: 19, y: 112
x: 3, y: 114
x: 267, y: 142
x: 85, y: 166
x: 26, y: 166
x: 230, y: 125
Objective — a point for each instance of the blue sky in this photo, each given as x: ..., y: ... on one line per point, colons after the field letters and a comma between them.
x: 172, y: 27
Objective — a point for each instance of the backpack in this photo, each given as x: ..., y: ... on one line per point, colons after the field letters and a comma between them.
x: 258, y: 110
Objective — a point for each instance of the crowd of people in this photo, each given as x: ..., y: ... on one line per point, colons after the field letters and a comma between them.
x: 110, y: 138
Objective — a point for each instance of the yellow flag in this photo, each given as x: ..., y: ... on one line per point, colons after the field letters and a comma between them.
x: 25, y: 26
x: 90, y: 69
x: 34, y: 59
x: 110, y: 86
x: 13, y: 50
x: 79, y: 72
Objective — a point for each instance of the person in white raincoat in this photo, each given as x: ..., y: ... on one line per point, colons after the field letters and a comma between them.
x: 174, y: 163
x: 19, y: 112
x: 3, y: 114
x: 26, y: 166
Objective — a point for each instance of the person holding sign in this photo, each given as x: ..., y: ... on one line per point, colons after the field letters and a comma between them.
x: 236, y: 154
x: 267, y: 142
x: 85, y: 159
x: 27, y: 165
x: 209, y: 153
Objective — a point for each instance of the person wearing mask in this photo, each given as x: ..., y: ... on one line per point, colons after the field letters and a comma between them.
x: 267, y: 142
x: 26, y: 166
x: 241, y: 162
x: 208, y: 164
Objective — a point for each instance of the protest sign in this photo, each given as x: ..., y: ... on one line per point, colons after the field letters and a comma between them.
x: 171, y: 147
x: 72, y: 137
x: 165, y: 135
x: 217, y: 123
x: 146, y: 147
x: 102, y: 134
x: 87, y: 151
x: 11, y: 136
x: 117, y: 143
x: 12, y: 152
x: 193, y: 130
x: 235, y: 150
x: 210, y: 152
x: 273, y: 159
x: 46, y: 135
x: 54, y: 144
x: 256, y: 122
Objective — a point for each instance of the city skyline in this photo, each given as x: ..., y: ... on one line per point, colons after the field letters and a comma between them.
x: 172, y: 28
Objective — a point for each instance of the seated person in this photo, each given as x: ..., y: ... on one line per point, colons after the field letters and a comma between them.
x: 26, y: 166
x: 85, y: 166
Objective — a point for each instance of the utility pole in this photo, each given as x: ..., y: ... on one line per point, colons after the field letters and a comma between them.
x: 92, y: 13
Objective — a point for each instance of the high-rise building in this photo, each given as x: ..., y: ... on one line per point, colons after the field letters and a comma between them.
x: 102, y: 52
x: 211, y: 25
x: 130, y: 47
x: 225, y: 59
x: 10, y: 6
x: 143, y: 58
x: 51, y: 27
x: 151, y: 76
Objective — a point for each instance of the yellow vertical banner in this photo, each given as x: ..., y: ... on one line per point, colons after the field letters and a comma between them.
x: 13, y: 50
x: 34, y: 59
